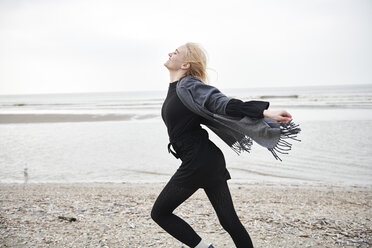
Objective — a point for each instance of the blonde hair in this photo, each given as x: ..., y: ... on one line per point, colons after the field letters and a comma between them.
x: 197, y: 59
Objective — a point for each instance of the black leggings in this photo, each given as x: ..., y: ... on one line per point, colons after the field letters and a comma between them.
x: 219, y: 195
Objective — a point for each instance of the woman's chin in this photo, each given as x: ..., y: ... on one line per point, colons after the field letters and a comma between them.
x: 166, y: 64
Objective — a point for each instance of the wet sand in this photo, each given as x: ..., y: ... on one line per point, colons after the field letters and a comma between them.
x: 118, y: 215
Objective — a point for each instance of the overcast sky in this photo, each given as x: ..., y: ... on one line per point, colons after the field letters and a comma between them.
x: 53, y: 46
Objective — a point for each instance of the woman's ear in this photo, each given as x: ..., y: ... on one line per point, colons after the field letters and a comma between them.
x: 185, y: 66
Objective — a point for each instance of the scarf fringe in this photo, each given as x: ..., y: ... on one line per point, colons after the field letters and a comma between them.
x: 245, y: 144
x: 288, y: 130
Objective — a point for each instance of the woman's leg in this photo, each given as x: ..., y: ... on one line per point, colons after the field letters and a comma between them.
x: 219, y: 196
x: 162, y: 213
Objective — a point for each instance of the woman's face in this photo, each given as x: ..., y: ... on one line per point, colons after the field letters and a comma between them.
x: 176, y: 59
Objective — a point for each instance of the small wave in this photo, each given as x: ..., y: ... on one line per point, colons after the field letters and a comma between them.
x: 147, y: 172
x: 145, y: 116
x: 84, y: 105
x: 278, y: 96
x: 35, y: 104
x: 131, y: 104
x: 321, y: 106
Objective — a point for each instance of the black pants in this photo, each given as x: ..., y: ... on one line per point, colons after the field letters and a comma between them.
x: 219, y: 195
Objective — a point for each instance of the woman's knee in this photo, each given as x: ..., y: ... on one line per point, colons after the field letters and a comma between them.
x: 159, y: 211
x: 226, y: 224
x: 230, y: 223
x: 155, y: 213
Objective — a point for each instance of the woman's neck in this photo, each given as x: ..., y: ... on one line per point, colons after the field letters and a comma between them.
x: 176, y: 75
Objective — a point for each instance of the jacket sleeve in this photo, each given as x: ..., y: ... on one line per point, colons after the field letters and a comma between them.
x: 254, y: 109
x: 205, y: 95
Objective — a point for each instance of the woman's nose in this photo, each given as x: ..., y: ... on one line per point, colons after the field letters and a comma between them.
x: 170, y: 54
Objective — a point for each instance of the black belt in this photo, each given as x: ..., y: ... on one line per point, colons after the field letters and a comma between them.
x: 183, y: 136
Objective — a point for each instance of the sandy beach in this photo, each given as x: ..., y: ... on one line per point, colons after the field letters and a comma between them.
x: 118, y: 215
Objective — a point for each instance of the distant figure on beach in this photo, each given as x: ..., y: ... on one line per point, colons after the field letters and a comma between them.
x: 189, y: 103
x: 25, y: 174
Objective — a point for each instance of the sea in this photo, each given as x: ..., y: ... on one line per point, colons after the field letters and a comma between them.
x: 120, y: 137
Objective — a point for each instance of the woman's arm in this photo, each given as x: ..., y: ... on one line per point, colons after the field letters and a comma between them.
x: 238, y: 108
x: 204, y: 95
x: 256, y: 109
x: 211, y: 98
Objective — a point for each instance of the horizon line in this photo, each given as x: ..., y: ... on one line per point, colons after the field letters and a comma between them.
x: 154, y: 90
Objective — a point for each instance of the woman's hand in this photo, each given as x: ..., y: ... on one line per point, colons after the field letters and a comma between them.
x: 278, y: 115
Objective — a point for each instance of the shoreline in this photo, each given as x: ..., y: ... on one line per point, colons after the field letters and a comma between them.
x: 356, y: 113
x: 232, y: 183
x: 118, y: 215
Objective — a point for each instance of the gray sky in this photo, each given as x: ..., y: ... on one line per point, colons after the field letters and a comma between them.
x: 52, y: 46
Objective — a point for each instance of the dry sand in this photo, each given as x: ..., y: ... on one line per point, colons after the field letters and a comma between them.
x: 118, y: 215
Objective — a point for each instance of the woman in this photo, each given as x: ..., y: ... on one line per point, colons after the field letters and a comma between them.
x: 203, y: 164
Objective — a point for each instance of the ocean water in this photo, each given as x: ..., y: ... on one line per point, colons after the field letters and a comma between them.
x: 120, y: 137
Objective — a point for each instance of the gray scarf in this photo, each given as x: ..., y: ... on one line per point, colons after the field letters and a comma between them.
x: 208, y: 102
